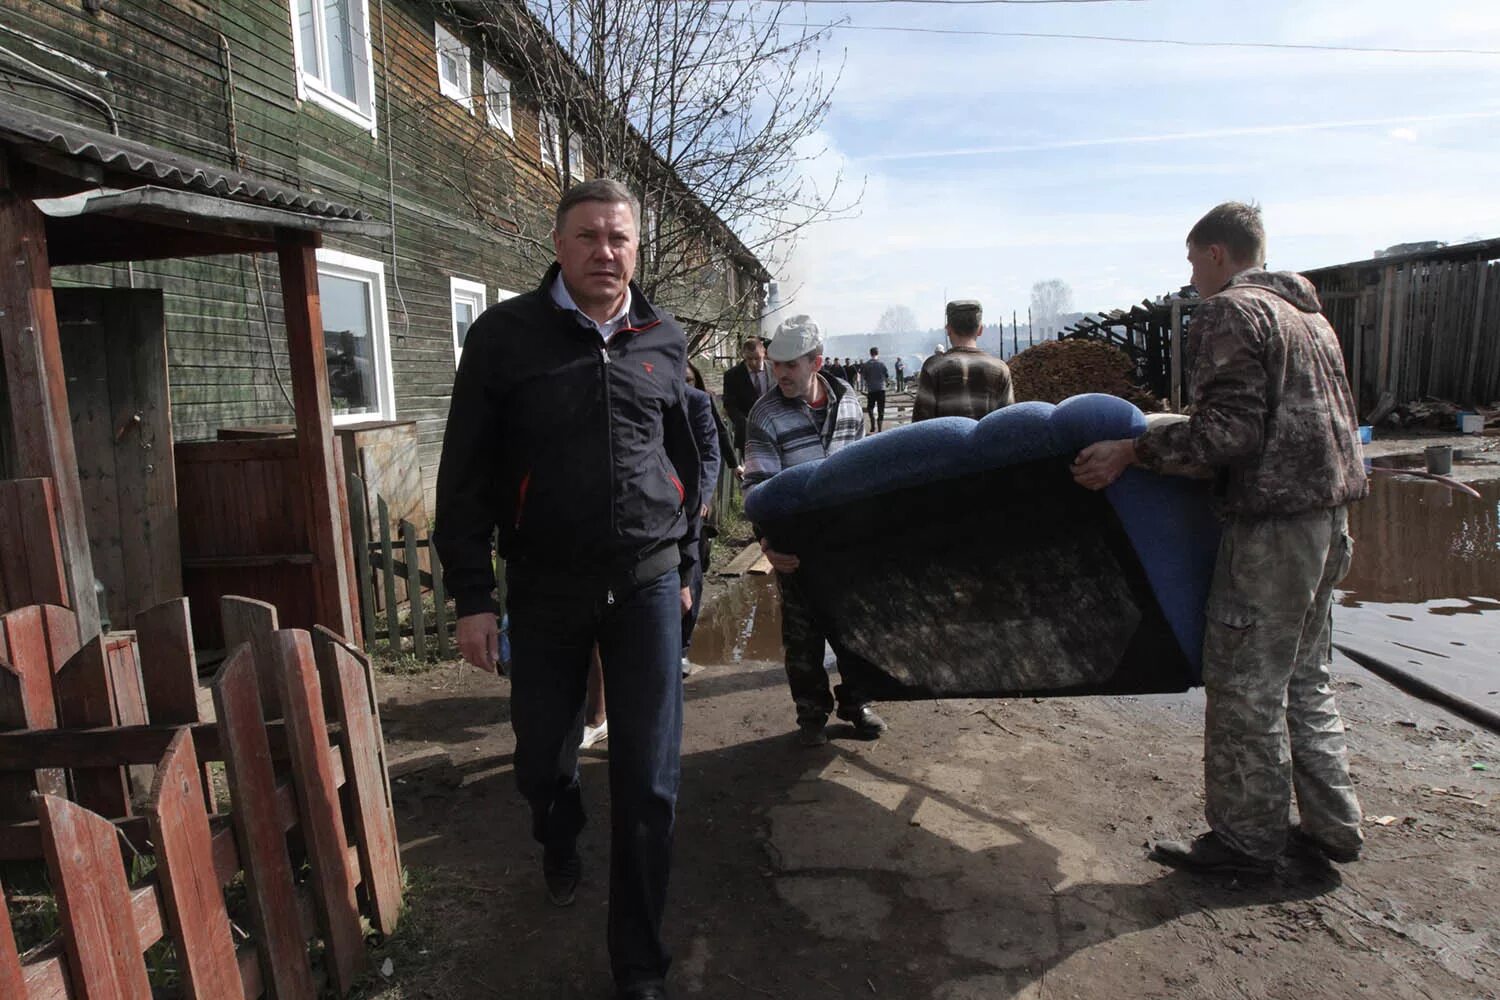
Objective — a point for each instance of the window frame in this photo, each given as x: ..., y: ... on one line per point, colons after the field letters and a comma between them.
x: 371, y: 272
x: 487, y: 72
x: 577, y: 169
x: 543, y: 118
x: 444, y: 40
x: 476, y: 293
x: 313, y: 88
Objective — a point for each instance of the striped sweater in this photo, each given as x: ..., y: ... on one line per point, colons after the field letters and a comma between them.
x: 781, y: 432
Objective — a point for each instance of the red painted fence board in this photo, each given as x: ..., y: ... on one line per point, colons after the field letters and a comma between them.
x: 318, y: 794
x: 259, y: 833
x: 190, y: 884
x: 98, y: 916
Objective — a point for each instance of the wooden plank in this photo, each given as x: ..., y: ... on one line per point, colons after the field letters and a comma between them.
x: 760, y: 567
x: 1471, y: 371
x: 374, y: 820
x: 37, y: 392
x: 23, y: 841
x: 189, y: 885
x: 119, y: 745
x: 31, y: 567
x: 414, y: 591
x: 359, y: 525
x: 86, y: 698
x: 388, y: 573
x: 250, y: 621
x: 741, y: 563
x: 322, y: 817
x: 169, y: 666
x: 33, y: 642
x: 1383, y: 334
x: 322, y: 639
x: 11, y: 982
x: 439, y: 603
x: 100, y: 936
x: 259, y: 834
x: 327, y: 522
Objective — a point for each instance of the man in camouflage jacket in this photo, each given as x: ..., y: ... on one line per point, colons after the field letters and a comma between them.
x: 1273, y: 417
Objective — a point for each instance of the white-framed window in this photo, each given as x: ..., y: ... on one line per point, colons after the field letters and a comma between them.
x: 575, y: 157
x: 356, y: 337
x: 497, y: 100
x: 548, y: 132
x: 467, y: 299
x: 454, y: 79
x: 331, y: 43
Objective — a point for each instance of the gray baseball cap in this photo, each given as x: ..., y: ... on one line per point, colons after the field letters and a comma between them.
x: 964, y: 309
x: 795, y: 337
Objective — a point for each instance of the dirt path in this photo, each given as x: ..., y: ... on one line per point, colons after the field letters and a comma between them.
x: 980, y: 850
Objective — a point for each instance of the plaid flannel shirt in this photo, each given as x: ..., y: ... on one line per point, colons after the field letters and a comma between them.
x: 781, y: 432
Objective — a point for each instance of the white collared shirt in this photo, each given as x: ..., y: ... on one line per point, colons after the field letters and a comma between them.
x: 608, y: 328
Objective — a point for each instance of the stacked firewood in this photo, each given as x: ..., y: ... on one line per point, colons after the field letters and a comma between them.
x: 1056, y: 369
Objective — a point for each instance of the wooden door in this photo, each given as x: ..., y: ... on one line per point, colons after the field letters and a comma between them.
x: 114, y: 347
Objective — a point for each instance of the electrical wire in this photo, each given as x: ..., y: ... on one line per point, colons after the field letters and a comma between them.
x: 1186, y: 42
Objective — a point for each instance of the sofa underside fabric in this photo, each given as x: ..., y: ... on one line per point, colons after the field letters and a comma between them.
x: 961, y: 560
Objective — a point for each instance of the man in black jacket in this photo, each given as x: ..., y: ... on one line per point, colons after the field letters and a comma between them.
x: 744, y: 384
x: 567, y: 439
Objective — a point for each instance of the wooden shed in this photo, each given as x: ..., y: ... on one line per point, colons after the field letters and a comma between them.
x: 1423, y: 323
x: 85, y: 423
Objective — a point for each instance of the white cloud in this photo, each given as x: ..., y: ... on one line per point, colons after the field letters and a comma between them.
x: 1404, y: 134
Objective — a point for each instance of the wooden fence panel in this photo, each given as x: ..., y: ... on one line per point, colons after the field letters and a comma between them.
x: 31, y: 567
x: 322, y: 817
x: 85, y: 690
x: 439, y: 601
x: 261, y: 837
x: 369, y: 793
x: 105, y: 954
x: 190, y: 885
x: 252, y: 621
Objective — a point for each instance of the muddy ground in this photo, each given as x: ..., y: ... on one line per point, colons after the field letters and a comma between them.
x: 981, y: 849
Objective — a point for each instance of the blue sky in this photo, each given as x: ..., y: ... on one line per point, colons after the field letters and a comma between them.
x: 991, y: 163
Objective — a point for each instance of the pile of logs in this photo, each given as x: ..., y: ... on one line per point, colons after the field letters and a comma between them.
x: 1056, y: 369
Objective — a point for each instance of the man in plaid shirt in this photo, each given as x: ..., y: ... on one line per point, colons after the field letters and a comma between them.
x: 807, y: 417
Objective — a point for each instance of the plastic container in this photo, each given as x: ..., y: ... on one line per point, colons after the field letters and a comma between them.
x: 1440, y: 459
x: 1470, y: 423
x: 1366, y: 432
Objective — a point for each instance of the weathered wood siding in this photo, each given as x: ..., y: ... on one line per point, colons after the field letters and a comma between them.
x: 465, y: 199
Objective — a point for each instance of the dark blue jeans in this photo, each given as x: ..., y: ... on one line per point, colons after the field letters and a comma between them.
x: 553, y: 626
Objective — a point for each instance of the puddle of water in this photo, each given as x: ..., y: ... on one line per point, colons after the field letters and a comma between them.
x: 743, y: 623
x: 1417, y: 542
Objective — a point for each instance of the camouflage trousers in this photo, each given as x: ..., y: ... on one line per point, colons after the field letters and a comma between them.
x: 1271, y: 723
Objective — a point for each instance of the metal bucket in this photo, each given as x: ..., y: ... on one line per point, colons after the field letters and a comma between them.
x: 1440, y: 459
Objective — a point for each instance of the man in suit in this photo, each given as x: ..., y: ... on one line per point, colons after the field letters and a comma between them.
x: 744, y: 384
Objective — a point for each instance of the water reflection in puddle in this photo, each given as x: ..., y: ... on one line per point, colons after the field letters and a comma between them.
x: 743, y: 623
x: 1417, y: 542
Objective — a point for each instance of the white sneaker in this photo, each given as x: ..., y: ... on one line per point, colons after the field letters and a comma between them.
x: 688, y: 669
x: 594, y: 734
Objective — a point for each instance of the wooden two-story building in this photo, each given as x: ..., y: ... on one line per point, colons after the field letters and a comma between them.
x: 399, y: 110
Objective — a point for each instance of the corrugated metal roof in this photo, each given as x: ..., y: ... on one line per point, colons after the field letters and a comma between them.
x: 159, y: 166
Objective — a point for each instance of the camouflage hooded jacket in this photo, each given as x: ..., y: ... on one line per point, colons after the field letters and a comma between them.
x: 1271, y: 409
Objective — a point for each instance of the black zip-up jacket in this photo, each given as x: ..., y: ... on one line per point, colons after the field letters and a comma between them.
x: 581, y: 456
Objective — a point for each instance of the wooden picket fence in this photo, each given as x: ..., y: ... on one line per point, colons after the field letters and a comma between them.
x: 382, y: 562
x: 298, y: 730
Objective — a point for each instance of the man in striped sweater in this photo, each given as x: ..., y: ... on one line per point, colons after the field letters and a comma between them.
x: 807, y: 417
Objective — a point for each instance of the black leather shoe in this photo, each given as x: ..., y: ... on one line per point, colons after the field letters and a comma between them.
x: 561, y: 868
x: 649, y: 991
x: 868, y: 725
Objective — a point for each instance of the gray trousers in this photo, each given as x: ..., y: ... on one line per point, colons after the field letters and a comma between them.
x: 1271, y: 724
